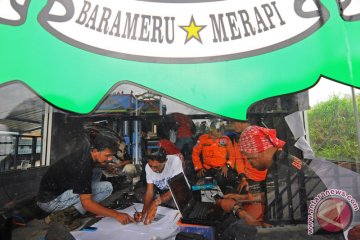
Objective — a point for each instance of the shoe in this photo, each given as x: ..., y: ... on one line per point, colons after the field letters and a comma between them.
x: 61, y: 215
x: 68, y: 217
x: 57, y: 231
x: 72, y: 225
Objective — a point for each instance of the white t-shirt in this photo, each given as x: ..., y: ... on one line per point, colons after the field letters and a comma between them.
x: 172, y: 168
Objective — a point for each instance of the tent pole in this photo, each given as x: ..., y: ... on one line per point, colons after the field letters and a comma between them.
x: 136, y: 134
x: 357, y: 124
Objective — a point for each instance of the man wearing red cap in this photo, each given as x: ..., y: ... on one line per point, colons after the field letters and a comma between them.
x: 244, y: 169
x: 258, y: 147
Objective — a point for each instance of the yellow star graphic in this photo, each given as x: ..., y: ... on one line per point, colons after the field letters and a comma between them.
x: 192, y: 30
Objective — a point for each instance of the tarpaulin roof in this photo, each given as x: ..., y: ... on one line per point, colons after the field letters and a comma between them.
x: 117, y: 103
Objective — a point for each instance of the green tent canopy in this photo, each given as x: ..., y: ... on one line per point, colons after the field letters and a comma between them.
x: 219, y: 56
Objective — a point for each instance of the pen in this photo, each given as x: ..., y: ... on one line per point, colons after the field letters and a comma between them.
x: 176, y: 215
x: 136, y: 211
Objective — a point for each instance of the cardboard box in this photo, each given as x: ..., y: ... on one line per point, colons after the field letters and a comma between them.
x: 207, y: 231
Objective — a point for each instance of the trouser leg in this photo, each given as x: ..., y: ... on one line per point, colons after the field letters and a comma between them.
x: 64, y: 200
x: 100, y: 191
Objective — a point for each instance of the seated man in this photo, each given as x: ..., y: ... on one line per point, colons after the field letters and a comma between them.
x: 121, y: 164
x: 246, y: 172
x: 218, y: 158
x: 258, y: 148
x: 69, y: 186
x: 159, y: 169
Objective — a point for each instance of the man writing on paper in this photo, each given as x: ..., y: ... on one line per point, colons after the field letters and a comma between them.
x: 70, y: 186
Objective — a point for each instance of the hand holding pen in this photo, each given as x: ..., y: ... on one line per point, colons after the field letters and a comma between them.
x: 138, y: 216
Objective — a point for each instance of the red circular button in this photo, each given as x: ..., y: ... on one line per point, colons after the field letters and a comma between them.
x: 334, y: 214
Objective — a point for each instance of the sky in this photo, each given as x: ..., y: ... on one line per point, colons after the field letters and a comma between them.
x: 326, y: 89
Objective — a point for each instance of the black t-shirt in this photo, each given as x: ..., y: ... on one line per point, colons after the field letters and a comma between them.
x: 74, y: 171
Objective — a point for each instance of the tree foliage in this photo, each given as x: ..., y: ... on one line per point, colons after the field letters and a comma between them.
x: 332, y: 129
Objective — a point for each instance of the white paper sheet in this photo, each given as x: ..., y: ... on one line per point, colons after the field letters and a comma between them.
x: 164, y: 226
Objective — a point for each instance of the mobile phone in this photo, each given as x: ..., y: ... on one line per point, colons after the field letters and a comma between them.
x: 89, y: 229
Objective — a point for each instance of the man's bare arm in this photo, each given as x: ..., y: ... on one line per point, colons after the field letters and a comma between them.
x: 94, y: 207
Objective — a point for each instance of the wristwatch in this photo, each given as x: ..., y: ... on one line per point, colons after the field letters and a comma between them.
x: 236, y: 209
x: 241, y: 176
